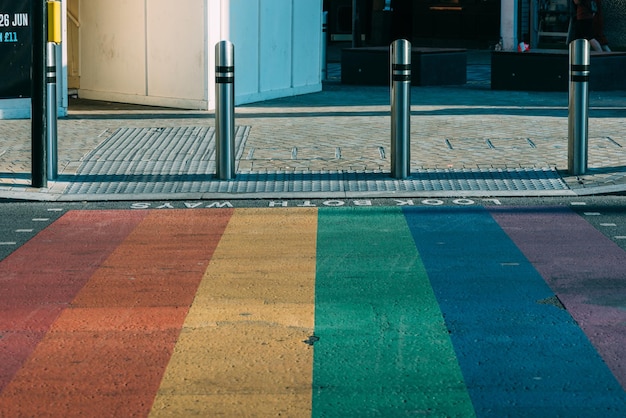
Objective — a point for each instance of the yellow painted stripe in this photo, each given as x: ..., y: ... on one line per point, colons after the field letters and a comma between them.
x: 241, y: 351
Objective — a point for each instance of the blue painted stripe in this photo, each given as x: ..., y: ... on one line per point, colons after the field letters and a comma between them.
x: 520, y: 355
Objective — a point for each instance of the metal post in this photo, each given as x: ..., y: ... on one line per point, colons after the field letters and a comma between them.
x: 578, y: 126
x: 225, y: 110
x: 51, y: 111
x: 324, y: 45
x: 400, y: 72
x: 354, y: 23
x: 38, y: 103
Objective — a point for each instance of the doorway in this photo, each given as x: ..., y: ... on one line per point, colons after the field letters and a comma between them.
x: 73, y: 46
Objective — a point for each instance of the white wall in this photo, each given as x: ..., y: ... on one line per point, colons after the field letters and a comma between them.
x: 307, y: 59
x: 276, y: 59
x: 177, y: 58
x: 144, y: 52
x: 277, y: 47
x: 156, y: 52
x: 148, y: 52
x: 113, y: 41
x: 508, y: 24
x: 244, y: 34
x: 15, y: 108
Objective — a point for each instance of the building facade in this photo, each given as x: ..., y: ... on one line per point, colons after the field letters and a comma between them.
x: 465, y: 23
x: 155, y: 52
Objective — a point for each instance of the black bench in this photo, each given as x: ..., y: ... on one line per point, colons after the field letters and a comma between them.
x: 548, y: 70
x: 429, y: 66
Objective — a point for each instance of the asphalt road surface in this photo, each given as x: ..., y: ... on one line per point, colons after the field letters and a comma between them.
x: 383, y: 307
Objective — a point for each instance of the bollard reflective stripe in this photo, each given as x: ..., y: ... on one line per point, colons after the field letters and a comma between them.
x: 51, y: 74
x: 578, y: 125
x: 579, y: 73
x: 580, y: 68
x: 224, y: 74
x: 401, y: 72
x: 225, y: 110
x: 400, y: 80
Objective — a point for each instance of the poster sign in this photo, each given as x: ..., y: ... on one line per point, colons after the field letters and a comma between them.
x: 16, y: 44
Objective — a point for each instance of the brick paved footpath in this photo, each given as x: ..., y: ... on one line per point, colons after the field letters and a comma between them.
x: 347, y: 128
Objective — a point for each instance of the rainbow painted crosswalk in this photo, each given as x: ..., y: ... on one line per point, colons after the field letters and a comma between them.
x: 360, y: 311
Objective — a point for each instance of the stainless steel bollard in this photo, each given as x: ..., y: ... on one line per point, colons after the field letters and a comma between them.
x: 400, y: 72
x: 324, y: 46
x: 51, y: 112
x: 225, y: 110
x: 578, y: 119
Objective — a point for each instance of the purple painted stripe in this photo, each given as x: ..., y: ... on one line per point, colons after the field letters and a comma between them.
x: 585, y: 269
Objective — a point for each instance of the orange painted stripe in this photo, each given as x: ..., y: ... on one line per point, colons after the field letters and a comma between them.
x: 106, y: 354
x: 43, y: 276
x: 242, y: 350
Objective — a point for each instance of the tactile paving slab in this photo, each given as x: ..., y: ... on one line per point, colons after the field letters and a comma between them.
x: 151, y: 160
x: 141, y: 161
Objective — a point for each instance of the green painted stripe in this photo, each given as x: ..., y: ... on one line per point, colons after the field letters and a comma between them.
x: 383, y: 347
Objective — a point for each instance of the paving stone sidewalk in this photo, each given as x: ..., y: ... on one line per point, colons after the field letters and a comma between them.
x: 465, y: 140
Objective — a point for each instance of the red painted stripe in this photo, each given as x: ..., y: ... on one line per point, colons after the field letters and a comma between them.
x: 106, y: 354
x: 43, y: 276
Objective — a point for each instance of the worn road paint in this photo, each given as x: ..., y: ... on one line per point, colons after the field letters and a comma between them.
x: 93, y: 333
x: 42, y: 277
x: 242, y: 349
x: 383, y: 348
x: 519, y: 357
x: 106, y: 353
x: 585, y: 269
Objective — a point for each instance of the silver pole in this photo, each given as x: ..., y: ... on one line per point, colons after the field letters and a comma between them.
x: 578, y: 126
x: 324, y: 45
x: 354, y: 16
x: 225, y: 110
x: 400, y: 72
x: 51, y: 110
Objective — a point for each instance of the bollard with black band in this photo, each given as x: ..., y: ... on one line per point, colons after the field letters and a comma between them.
x: 578, y: 119
x: 54, y: 38
x: 400, y: 73
x: 39, y: 177
x: 225, y: 110
x: 51, y: 112
x: 324, y: 46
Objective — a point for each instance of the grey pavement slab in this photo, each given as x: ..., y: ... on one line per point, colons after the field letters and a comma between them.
x: 465, y: 141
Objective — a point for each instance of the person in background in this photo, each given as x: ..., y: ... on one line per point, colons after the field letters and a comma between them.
x: 598, y: 28
x: 583, y: 29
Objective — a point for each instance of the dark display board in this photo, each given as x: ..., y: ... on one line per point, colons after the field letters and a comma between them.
x: 16, y: 45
